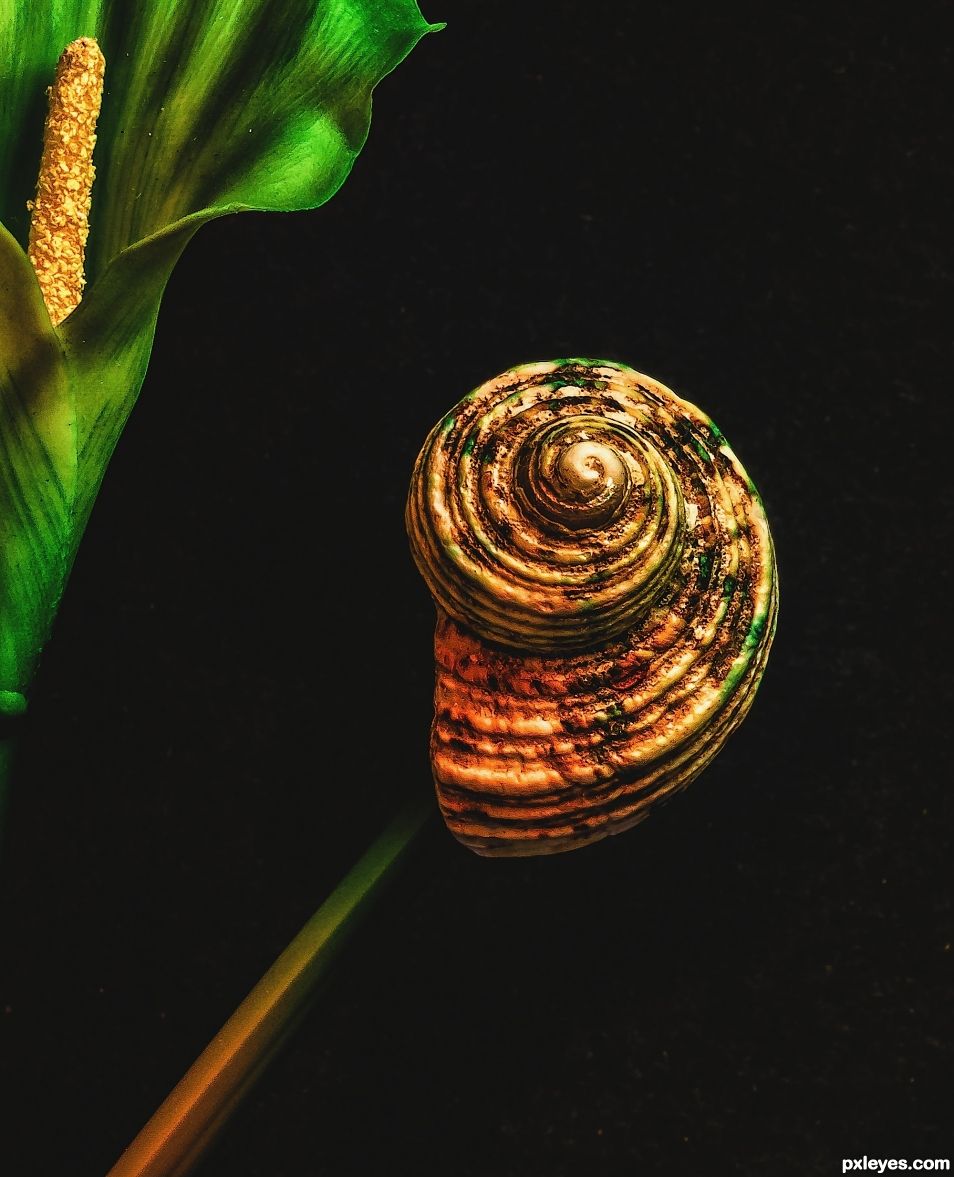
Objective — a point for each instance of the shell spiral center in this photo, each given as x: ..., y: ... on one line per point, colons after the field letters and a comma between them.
x: 574, y: 477
x: 548, y: 514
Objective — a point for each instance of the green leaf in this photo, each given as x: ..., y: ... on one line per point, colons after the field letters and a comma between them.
x: 263, y: 104
x: 226, y: 108
x: 108, y: 341
x: 210, y: 107
x: 37, y: 472
x: 208, y: 103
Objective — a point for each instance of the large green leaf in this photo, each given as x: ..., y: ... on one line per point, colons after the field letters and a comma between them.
x: 210, y: 107
x: 266, y: 107
x: 108, y: 341
x: 262, y: 103
x: 37, y: 471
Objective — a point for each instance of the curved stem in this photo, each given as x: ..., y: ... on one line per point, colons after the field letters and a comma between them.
x: 188, y: 1120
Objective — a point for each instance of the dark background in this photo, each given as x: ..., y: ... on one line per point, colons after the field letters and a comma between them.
x: 753, y: 206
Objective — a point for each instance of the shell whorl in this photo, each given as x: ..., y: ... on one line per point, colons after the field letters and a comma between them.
x: 606, y: 594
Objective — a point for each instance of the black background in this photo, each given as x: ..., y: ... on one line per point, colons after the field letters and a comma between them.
x: 752, y: 205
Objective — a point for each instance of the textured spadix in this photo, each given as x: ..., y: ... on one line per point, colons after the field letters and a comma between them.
x: 605, y: 584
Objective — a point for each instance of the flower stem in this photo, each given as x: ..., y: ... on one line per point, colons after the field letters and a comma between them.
x: 185, y: 1124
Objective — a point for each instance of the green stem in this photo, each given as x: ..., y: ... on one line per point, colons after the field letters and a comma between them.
x: 188, y: 1120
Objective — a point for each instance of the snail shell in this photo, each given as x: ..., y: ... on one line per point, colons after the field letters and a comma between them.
x: 606, y: 595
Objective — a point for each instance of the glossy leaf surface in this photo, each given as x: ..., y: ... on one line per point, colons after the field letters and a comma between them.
x: 210, y: 107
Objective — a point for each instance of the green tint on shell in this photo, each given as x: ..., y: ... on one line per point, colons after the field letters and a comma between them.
x: 606, y: 592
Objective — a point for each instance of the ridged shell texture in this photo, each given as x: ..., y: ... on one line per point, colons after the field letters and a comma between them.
x: 606, y: 596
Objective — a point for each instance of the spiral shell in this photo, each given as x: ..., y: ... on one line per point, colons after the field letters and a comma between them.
x: 606, y: 594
